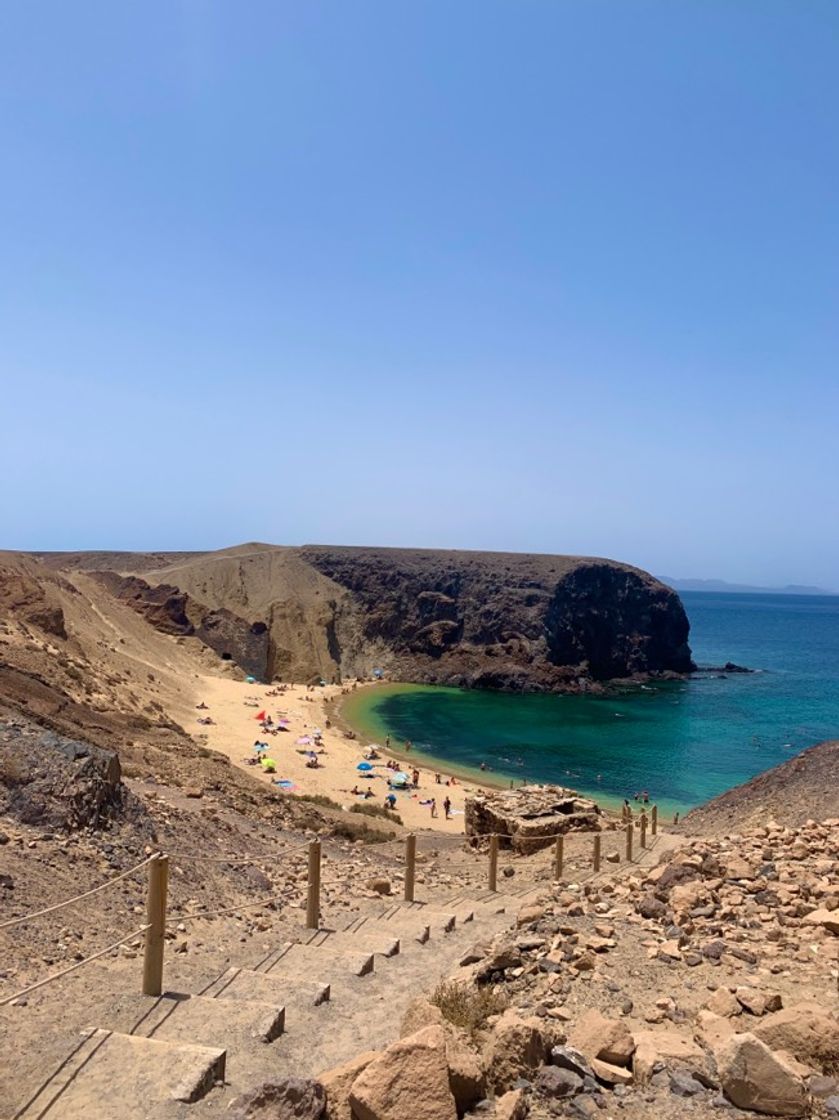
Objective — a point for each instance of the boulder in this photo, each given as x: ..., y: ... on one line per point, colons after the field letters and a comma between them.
x: 722, y: 1002
x: 379, y: 885
x: 411, y: 1078
x: 551, y: 1081
x: 806, y: 1030
x: 533, y: 912
x: 673, y: 1050
x: 420, y: 1013
x: 824, y: 919
x: 515, y: 1049
x: 294, y: 1098
x: 338, y: 1082
x: 511, y: 1106
x: 597, y: 1036
x: 610, y: 1074
x: 753, y: 1077
x: 467, y: 1077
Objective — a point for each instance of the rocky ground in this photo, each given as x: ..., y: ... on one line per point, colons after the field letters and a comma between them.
x: 706, y: 985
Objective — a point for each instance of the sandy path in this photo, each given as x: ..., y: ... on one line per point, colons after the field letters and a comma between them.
x: 235, y: 729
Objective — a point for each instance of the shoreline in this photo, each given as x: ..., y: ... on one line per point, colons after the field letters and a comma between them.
x: 491, y: 780
x: 232, y: 706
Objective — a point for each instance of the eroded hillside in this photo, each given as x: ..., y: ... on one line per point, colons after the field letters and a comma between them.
x: 491, y: 620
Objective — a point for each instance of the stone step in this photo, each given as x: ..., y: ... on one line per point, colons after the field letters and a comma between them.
x: 174, y: 1017
x: 441, y: 918
x: 113, y: 1076
x: 481, y: 902
x: 295, y: 954
x: 404, y: 926
x: 370, y: 939
x: 296, y: 995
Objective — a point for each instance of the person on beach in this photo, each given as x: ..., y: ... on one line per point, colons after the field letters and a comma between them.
x: 438, y: 779
x: 390, y: 801
x: 415, y: 779
x: 447, y: 808
x: 387, y: 742
x: 433, y: 807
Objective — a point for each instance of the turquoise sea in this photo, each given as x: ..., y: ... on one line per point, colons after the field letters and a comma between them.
x: 682, y: 742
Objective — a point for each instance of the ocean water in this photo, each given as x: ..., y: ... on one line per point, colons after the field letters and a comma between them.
x: 682, y: 742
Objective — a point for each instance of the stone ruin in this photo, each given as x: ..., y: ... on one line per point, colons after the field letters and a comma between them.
x: 529, y: 817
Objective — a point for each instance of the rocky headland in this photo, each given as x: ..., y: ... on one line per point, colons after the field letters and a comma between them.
x: 473, y: 619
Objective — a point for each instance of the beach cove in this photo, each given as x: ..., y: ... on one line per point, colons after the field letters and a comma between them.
x: 684, y: 742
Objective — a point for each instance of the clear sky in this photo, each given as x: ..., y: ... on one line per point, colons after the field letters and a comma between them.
x: 534, y: 275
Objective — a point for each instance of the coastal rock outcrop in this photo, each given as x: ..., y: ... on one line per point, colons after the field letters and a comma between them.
x: 530, y: 817
x: 472, y: 619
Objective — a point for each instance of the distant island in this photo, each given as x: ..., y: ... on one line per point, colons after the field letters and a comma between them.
x: 741, y: 588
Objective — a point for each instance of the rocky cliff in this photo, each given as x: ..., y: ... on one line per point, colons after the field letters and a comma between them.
x: 488, y: 620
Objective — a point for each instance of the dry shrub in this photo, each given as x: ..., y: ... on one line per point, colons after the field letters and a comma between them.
x: 376, y: 811
x: 467, y: 1005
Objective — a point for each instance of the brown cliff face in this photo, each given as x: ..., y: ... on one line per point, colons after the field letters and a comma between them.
x: 501, y: 620
x: 171, y: 611
x: 475, y: 619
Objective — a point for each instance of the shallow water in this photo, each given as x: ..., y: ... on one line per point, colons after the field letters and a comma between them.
x: 682, y: 742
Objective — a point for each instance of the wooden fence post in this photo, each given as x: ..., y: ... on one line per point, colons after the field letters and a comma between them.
x: 643, y: 828
x: 493, y: 862
x: 629, y: 840
x: 410, y: 861
x: 654, y: 820
x: 559, y: 857
x: 597, y: 851
x: 156, y: 921
x: 313, y: 899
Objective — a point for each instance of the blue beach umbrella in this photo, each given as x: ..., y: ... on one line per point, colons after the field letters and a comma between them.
x: 364, y: 766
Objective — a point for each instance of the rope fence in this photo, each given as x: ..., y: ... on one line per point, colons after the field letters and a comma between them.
x: 157, y: 919
x: 73, y: 967
x: 77, y: 897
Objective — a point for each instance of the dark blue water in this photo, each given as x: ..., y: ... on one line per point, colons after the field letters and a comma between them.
x: 682, y: 742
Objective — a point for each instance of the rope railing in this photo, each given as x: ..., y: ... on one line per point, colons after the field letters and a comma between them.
x: 158, y: 864
x: 77, y: 897
x: 72, y: 968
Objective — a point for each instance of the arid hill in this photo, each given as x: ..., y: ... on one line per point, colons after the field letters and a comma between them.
x: 805, y: 788
x: 492, y: 620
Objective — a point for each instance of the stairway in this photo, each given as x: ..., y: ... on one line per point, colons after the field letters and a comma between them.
x: 222, y: 1027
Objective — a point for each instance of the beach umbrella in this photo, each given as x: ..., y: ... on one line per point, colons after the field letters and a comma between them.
x: 400, y: 779
x: 260, y: 747
x: 304, y: 741
x: 311, y: 754
x: 283, y: 722
x: 260, y: 715
x: 250, y: 680
x: 268, y: 763
x: 364, y: 766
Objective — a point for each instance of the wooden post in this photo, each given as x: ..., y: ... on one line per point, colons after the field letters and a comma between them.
x: 493, y: 862
x: 156, y: 920
x: 629, y: 840
x: 643, y: 828
x: 597, y: 851
x: 654, y: 820
x: 559, y: 857
x: 410, y: 861
x: 313, y: 899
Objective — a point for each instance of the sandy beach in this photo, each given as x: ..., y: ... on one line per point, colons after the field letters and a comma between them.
x: 233, y: 707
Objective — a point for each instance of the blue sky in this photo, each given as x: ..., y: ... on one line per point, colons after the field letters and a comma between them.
x: 554, y: 276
